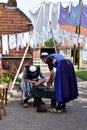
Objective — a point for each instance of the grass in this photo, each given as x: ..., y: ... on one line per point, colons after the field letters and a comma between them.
x: 82, y: 74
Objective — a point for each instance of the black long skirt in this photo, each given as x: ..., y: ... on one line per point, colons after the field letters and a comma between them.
x: 65, y: 84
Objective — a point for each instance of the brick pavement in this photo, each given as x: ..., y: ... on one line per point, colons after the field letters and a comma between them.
x: 19, y: 118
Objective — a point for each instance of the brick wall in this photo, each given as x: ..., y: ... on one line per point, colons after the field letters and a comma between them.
x: 14, y: 21
x: 16, y: 62
x: 16, y: 57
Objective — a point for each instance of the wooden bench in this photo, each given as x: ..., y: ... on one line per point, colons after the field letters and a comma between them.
x: 45, y: 92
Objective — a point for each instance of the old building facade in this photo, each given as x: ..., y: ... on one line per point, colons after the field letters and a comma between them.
x: 14, y: 21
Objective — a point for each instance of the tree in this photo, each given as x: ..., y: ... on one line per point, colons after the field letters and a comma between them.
x: 49, y: 43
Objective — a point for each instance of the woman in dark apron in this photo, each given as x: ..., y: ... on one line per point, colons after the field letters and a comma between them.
x: 65, y: 83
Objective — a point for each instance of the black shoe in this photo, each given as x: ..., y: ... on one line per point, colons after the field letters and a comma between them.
x: 61, y: 108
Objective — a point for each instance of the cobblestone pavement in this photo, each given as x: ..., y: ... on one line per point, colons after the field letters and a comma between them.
x: 19, y: 118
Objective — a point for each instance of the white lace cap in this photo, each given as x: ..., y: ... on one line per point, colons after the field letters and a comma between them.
x: 44, y: 54
x: 33, y: 68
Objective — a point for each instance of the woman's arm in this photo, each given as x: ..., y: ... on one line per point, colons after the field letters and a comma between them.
x: 51, y: 69
x: 51, y: 78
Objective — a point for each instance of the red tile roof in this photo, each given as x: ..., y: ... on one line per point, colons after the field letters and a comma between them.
x: 72, y: 29
x: 13, y: 20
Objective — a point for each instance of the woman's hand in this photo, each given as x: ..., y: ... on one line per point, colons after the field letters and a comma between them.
x: 49, y: 83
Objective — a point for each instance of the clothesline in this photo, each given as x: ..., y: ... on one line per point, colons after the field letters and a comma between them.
x: 56, y: 13
x: 33, y: 7
x: 53, y: 2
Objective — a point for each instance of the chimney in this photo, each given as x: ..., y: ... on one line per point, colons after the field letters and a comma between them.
x: 12, y: 3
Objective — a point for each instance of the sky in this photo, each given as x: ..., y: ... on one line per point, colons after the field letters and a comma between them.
x: 26, y: 5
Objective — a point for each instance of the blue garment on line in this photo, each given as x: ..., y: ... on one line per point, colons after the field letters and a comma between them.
x: 83, y: 20
x: 64, y: 15
x: 74, y: 17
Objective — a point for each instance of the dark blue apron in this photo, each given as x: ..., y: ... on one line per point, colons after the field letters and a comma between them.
x: 65, y: 82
